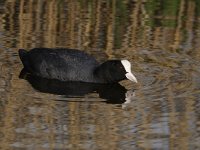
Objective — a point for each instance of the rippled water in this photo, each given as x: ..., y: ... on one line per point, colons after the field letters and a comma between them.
x: 161, y: 39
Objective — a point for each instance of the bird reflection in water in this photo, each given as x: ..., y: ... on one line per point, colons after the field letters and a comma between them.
x: 112, y: 93
x: 129, y: 100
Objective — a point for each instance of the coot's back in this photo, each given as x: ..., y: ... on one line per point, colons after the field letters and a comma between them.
x: 62, y: 64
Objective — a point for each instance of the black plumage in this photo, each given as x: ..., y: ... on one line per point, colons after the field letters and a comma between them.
x: 70, y: 65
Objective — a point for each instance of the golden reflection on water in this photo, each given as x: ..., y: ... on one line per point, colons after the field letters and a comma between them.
x: 161, y: 39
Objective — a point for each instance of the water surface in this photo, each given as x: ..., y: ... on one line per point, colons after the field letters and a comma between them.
x: 161, y: 39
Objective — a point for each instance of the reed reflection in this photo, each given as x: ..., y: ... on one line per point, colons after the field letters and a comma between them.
x: 112, y: 93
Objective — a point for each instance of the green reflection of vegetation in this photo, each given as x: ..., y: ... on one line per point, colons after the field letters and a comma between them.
x: 162, y: 9
x: 121, y: 18
x: 155, y: 9
x: 151, y: 8
x: 159, y: 13
x: 197, y: 7
x: 170, y: 8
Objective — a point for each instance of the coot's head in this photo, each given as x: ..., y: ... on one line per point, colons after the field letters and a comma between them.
x: 115, y: 70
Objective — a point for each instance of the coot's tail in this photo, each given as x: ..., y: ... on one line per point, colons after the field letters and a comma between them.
x: 22, y: 53
x: 23, y: 57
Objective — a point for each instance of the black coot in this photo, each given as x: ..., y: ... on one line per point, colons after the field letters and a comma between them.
x: 74, y: 65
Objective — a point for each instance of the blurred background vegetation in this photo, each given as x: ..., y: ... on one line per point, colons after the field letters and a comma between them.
x: 107, y: 25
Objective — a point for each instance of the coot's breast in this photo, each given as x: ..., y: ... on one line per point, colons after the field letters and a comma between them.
x: 62, y: 64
